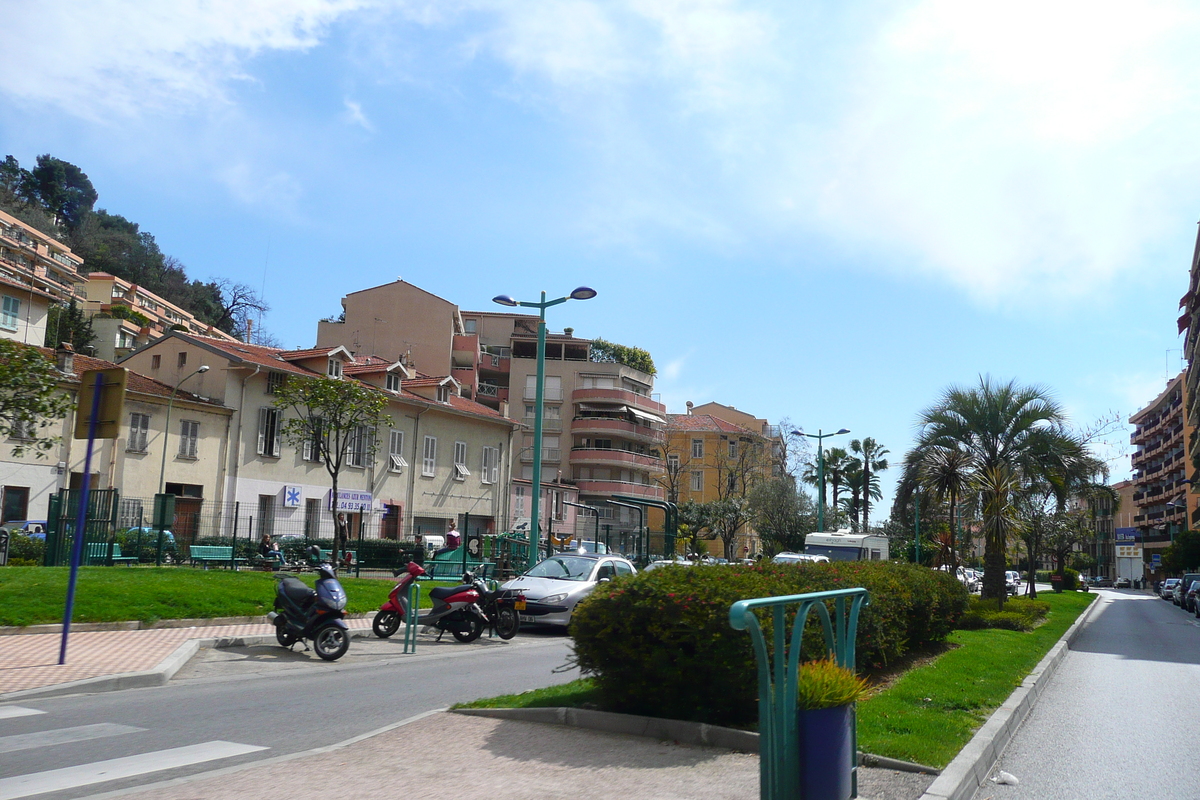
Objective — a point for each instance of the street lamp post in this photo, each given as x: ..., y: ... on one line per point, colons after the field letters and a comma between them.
x: 820, y: 436
x: 592, y: 510
x: 162, y: 470
x: 582, y: 293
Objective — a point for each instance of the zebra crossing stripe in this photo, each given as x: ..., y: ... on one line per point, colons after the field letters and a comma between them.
x: 79, y: 733
x: 56, y: 780
x: 8, y: 712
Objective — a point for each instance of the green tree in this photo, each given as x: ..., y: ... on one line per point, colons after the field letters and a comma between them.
x: 31, y: 400
x: 1184, y: 553
x: 837, y: 461
x: 64, y: 190
x: 610, y: 352
x: 334, y: 419
x: 782, y: 515
x: 67, y: 323
x: 945, y: 471
x: 1014, y: 435
x: 870, y: 455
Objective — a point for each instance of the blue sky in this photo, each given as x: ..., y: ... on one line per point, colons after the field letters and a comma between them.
x: 825, y: 212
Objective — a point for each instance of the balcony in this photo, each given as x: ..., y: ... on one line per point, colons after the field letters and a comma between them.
x: 587, y: 456
x: 549, y: 454
x: 494, y: 362
x: 465, y: 351
x: 548, y: 425
x: 630, y: 430
x: 621, y: 487
x: 549, y: 394
x: 619, y: 396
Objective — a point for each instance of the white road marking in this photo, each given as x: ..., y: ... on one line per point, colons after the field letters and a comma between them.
x: 116, y: 768
x: 8, y: 712
x: 79, y: 733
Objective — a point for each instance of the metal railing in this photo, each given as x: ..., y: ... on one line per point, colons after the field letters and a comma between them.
x: 778, y: 722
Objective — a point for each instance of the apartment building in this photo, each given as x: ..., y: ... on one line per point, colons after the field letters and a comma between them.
x: 602, y: 428
x: 1189, y: 324
x: 31, y: 258
x: 135, y: 462
x: 23, y: 311
x: 439, y: 458
x: 125, y: 316
x: 1161, y: 498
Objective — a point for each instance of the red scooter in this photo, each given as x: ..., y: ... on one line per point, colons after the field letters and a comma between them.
x: 464, y: 610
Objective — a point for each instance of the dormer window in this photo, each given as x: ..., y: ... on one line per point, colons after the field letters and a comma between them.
x: 393, y: 382
x: 443, y: 394
x: 335, y: 368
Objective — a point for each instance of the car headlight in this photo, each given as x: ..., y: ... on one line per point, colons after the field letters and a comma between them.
x: 554, y: 598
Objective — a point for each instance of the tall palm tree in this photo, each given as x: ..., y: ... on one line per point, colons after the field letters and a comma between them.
x: 836, y: 462
x: 1013, y: 435
x: 945, y: 471
x: 871, y: 457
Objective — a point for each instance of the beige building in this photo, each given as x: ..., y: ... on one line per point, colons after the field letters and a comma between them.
x: 32, y: 258
x: 194, y: 449
x: 23, y: 311
x: 442, y: 458
x: 1161, y: 494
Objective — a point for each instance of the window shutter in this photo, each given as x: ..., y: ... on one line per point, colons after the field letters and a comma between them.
x: 262, y: 431
x: 275, y: 450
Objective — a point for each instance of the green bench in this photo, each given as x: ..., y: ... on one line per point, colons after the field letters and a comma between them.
x: 204, y: 554
x: 445, y: 568
x: 97, y: 553
x: 327, y: 555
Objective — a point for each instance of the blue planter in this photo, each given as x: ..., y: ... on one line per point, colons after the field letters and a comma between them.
x: 826, y: 753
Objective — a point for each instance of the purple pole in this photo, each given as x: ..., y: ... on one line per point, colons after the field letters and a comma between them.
x: 80, y: 520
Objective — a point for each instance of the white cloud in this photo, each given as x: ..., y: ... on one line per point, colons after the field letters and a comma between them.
x: 123, y: 57
x: 248, y: 184
x: 355, y: 116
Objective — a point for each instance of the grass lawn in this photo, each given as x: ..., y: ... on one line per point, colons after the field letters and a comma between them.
x: 37, y: 595
x: 932, y: 710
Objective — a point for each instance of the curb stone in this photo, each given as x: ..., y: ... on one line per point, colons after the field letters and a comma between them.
x: 135, y: 625
x: 970, y: 768
x: 692, y: 733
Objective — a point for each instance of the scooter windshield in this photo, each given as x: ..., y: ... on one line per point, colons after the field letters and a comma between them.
x: 331, y: 594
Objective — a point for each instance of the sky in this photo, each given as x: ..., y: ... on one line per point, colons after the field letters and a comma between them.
x: 822, y: 213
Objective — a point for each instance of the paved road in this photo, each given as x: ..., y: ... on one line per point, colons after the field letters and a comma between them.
x: 1100, y: 730
x: 232, y: 706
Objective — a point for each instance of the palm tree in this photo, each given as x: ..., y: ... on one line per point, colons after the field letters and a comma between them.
x: 1013, y: 435
x: 852, y: 505
x: 945, y: 471
x: 836, y: 462
x: 871, y: 457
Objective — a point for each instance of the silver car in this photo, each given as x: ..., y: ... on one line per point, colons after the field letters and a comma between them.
x: 554, y: 586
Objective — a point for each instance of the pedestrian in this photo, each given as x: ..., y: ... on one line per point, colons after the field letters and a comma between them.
x: 453, y: 540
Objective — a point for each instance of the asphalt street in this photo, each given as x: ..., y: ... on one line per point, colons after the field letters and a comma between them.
x: 1115, y: 720
x: 235, y: 705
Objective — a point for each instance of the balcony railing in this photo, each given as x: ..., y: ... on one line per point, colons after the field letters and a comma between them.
x: 548, y: 394
x: 553, y: 425
x: 614, y: 456
x: 548, y: 454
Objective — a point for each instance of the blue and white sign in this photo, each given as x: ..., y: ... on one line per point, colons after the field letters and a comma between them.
x: 1128, y: 536
x: 292, y: 496
x: 1156, y: 559
x: 350, y: 500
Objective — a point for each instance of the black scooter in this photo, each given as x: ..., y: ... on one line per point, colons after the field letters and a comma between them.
x: 302, y: 613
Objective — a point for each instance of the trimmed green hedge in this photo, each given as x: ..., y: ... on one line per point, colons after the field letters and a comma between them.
x: 659, y: 643
x: 1019, y: 614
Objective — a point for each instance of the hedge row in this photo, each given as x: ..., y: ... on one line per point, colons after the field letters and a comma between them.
x: 660, y: 644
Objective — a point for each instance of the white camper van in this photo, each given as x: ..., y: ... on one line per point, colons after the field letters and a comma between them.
x: 846, y: 546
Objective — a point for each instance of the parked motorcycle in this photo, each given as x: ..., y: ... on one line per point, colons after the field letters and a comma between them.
x: 318, y: 615
x: 465, y: 610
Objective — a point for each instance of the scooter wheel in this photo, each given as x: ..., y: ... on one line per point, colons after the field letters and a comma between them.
x: 471, y: 635
x: 331, y: 642
x: 385, y: 624
x: 507, y: 623
x: 283, y: 637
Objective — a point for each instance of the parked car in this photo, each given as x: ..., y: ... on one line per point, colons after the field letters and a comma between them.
x: 1179, y: 593
x: 1189, y: 598
x: 1123, y: 583
x: 799, y: 558
x: 148, y: 537
x: 1012, y: 582
x: 553, y: 587
x: 33, y: 528
x: 1167, y: 588
x: 679, y: 562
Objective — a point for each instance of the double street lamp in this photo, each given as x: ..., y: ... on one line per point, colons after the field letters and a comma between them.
x: 582, y: 293
x: 820, y: 436
x: 162, y: 470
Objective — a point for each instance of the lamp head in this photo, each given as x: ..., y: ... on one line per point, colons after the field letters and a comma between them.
x: 843, y: 430
x: 505, y: 300
x: 203, y: 369
x: 583, y: 293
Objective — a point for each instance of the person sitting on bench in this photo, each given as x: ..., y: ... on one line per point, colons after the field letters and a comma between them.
x: 452, y: 541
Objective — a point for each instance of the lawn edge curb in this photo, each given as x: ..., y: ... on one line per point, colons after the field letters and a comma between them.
x: 691, y: 733
x: 963, y: 776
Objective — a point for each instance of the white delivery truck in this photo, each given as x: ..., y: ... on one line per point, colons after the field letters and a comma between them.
x: 847, y: 546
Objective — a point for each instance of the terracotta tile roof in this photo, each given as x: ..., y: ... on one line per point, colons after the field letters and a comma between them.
x: 312, y: 352
x: 24, y: 287
x: 134, y: 382
x: 703, y: 422
x: 250, y: 353
x: 426, y: 381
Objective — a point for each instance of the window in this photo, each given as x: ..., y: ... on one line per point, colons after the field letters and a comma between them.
x: 443, y: 394
x: 139, y: 429
x: 732, y: 448
x: 155, y: 361
x: 429, y: 456
x: 189, y: 435
x: 311, y: 449
x: 673, y: 463
x: 519, y: 502
x: 396, y: 460
x: 334, y: 368
x: 697, y: 448
x: 393, y: 382
x: 11, y: 313
x: 268, y: 432
x: 312, y: 518
x: 266, y: 515
x: 275, y: 381
x: 358, y: 447
x: 129, y: 514
x: 460, y: 460
x: 125, y: 339
x: 491, y: 462
x: 182, y: 360
x: 731, y: 482
x: 697, y: 481
x: 469, y: 326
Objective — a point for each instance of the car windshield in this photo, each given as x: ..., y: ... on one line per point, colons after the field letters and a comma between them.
x: 564, y: 567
